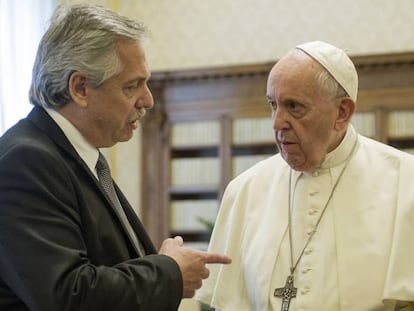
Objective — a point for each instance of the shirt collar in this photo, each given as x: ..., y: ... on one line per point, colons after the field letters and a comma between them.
x: 88, y: 153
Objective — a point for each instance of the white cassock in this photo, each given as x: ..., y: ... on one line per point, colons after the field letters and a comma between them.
x: 362, y: 255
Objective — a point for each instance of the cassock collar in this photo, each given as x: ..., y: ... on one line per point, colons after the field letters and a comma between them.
x: 335, y: 157
x: 342, y: 152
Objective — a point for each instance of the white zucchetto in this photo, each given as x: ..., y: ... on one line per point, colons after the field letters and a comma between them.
x: 336, y: 62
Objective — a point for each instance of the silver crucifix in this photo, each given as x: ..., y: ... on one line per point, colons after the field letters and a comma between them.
x: 286, y: 293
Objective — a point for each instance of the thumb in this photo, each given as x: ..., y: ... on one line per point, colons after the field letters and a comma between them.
x: 179, y: 239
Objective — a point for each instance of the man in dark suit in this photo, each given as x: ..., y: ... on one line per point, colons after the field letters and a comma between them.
x: 66, y: 241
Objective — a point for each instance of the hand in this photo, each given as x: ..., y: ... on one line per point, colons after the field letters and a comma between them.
x: 192, y: 263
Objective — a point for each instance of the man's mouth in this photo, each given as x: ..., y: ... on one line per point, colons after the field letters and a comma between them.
x: 133, y: 121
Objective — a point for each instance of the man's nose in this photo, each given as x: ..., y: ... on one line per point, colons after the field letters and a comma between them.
x: 280, y: 119
x: 146, y: 100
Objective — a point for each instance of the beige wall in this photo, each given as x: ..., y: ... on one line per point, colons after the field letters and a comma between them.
x: 195, y: 33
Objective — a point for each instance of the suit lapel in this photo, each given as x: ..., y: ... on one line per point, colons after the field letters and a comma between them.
x: 135, y: 223
x: 41, y: 119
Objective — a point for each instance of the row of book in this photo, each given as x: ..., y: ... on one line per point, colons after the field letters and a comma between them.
x: 202, y: 133
x: 364, y: 123
x: 259, y: 130
x: 192, y: 215
x: 206, y: 171
x: 253, y: 130
x: 207, y: 133
x: 401, y: 123
x: 195, y: 171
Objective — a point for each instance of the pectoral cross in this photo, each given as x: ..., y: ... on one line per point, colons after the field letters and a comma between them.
x: 286, y: 293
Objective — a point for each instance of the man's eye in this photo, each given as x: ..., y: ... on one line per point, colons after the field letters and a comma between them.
x: 132, y: 87
x: 130, y: 90
x: 295, y: 108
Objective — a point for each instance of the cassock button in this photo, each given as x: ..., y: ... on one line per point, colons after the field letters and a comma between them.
x: 315, y: 173
x: 308, y: 251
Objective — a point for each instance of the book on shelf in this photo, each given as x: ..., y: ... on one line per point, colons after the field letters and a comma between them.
x: 252, y: 130
x: 201, y: 133
x: 192, y: 215
x: 364, y: 123
x: 401, y: 124
x: 195, y: 171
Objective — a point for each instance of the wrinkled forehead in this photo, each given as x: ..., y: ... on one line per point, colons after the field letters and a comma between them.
x: 296, y: 65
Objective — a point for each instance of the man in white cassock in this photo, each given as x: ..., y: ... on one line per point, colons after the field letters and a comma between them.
x: 326, y: 224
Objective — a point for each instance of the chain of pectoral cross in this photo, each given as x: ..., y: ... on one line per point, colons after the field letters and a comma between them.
x: 289, y: 291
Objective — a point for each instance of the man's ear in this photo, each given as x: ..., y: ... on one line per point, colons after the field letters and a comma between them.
x: 346, y: 109
x: 78, y: 88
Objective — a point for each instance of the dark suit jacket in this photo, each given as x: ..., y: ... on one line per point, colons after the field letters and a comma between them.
x: 62, y: 246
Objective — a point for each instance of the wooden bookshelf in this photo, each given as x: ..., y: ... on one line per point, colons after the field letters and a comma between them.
x: 234, y: 100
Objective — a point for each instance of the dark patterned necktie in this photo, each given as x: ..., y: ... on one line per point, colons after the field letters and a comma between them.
x: 105, y: 179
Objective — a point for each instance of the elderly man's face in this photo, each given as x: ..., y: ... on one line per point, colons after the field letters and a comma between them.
x: 304, y: 115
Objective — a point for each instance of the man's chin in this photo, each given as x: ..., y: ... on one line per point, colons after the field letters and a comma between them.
x: 126, y: 137
x: 295, y: 164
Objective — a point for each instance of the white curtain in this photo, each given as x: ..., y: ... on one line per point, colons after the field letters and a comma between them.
x: 22, y: 23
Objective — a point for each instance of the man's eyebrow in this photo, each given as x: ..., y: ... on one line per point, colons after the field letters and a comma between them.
x: 138, y: 78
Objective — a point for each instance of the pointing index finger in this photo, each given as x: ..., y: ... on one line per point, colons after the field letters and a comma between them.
x: 216, y: 258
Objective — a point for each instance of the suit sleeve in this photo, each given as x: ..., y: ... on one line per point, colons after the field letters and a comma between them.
x: 43, y: 256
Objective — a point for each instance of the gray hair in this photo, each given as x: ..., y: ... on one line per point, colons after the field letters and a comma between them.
x: 79, y: 38
x: 330, y: 85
